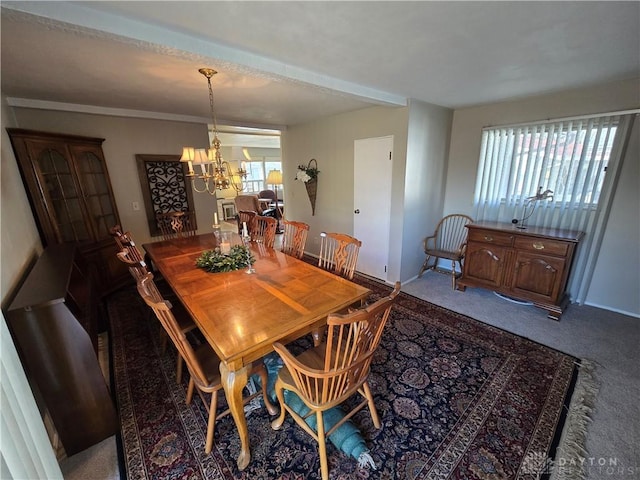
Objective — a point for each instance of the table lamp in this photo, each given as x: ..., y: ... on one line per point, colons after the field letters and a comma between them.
x: 275, y: 178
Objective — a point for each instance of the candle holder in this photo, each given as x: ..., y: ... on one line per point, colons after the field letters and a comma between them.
x: 216, y: 233
x: 246, y: 241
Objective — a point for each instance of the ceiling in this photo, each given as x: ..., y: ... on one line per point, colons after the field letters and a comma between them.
x: 286, y: 63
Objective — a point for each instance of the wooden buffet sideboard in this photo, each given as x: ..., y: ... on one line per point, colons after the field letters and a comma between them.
x: 53, y: 322
x: 531, y: 264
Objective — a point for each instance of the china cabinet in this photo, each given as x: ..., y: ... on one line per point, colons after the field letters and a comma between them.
x: 70, y: 193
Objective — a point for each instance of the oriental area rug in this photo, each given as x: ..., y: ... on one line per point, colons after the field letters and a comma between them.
x: 458, y: 399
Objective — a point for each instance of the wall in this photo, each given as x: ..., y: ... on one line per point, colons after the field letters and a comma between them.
x: 330, y: 141
x: 618, y: 264
x: 427, y: 153
x: 18, y: 232
x: 618, y: 286
x: 26, y: 450
x: 124, y: 138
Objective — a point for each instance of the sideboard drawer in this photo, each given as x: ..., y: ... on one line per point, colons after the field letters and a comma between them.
x: 542, y: 245
x: 488, y: 236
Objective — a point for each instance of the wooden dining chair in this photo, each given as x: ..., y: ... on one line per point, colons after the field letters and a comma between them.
x: 263, y: 230
x: 245, y: 216
x: 176, y: 224
x: 138, y: 270
x: 130, y: 256
x: 327, y: 375
x: 339, y: 253
x: 294, y: 238
x: 117, y: 234
x: 202, y: 362
x: 449, y: 241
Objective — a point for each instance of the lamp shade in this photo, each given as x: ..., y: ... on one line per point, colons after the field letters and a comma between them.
x: 274, y: 177
x: 200, y: 156
x: 188, y: 154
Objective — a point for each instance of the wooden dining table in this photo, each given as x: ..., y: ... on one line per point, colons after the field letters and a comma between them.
x: 241, y: 315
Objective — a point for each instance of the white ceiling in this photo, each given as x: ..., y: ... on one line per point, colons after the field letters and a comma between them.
x: 285, y: 63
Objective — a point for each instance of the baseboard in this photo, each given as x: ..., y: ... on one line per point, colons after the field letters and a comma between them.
x: 611, y: 309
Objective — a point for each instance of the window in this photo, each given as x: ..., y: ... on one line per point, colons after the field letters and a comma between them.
x: 257, y: 173
x: 576, y: 159
x: 569, y: 158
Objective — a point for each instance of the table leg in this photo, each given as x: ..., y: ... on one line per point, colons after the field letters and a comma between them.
x: 233, y: 381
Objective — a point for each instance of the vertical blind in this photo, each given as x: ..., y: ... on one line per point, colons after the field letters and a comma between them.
x: 576, y: 159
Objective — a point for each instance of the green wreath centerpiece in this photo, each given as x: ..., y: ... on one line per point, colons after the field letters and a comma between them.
x: 214, y: 261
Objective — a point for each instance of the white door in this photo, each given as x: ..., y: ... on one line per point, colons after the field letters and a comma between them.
x: 372, y: 203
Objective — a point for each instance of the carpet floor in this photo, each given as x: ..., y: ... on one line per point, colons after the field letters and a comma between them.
x: 458, y: 399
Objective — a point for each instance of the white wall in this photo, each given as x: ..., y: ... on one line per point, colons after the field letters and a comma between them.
x: 616, y: 279
x: 124, y: 138
x: 19, y: 239
x: 617, y: 287
x: 427, y: 153
x: 331, y: 142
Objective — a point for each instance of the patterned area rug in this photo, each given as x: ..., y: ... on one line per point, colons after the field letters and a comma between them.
x: 458, y: 399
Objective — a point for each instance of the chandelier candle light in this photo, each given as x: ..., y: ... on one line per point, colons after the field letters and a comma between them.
x: 215, y: 173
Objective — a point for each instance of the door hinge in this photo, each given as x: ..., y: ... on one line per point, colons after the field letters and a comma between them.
x: 385, y: 269
x: 389, y: 155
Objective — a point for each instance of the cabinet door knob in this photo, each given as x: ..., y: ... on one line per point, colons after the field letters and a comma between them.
x: 538, y: 246
x: 488, y: 238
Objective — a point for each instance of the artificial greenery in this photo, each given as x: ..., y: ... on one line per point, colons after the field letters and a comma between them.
x: 214, y: 261
x: 306, y: 173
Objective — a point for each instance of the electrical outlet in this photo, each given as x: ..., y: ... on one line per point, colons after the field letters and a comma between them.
x: 136, y: 206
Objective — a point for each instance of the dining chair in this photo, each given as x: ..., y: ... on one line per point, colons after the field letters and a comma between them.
x: 449, y: 241
x: 201, y: 361
x: 117, y: 233
x: 124, y: 240
x: 329, y: 374
x: 263, y: 230
x: 294, y: 238
x: 245, y: 216
x: 138, y: 270
x: 339, y: 253
x: 176, y: 224
x: 270, y: 194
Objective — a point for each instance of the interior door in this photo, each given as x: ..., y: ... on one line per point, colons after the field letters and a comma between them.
x: 372, y: 203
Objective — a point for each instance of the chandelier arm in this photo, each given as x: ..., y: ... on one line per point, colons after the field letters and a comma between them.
x: 205, y: 184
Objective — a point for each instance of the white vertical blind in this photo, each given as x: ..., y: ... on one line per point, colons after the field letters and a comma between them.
x: 577, y: 159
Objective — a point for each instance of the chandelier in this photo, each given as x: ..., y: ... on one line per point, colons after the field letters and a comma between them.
x: 215, y: 173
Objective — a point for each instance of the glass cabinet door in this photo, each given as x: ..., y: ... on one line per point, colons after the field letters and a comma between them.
x: 95, y: 188
x: 56, y: 177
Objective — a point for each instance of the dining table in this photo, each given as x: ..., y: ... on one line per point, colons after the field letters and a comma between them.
x: 243, y: 314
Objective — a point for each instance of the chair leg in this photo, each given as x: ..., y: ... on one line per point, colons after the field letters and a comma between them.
x: 264, y: 379
x: 163, y: 341
x: 322, y: 447
x: 372, y: 405
x: 190, y: 391
x: 179, y: 369
x: 277, y: 423
x: 211, y: 425
x: 453, y: 274
x: 425, y: 266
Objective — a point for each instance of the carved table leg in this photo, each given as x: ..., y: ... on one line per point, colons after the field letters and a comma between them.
x: 233, y: 381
